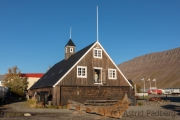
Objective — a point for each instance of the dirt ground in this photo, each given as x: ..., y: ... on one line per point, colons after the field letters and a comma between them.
x: 148, y: 111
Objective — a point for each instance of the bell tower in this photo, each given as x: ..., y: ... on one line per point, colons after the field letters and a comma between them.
x: 69, y: 49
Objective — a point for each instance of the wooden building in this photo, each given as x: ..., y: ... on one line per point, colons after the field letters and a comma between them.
x: 89, y: 74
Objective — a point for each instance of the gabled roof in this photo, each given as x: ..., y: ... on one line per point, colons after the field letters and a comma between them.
x: 60, y: 69
x: 70, y: 43
x: 55, y: 74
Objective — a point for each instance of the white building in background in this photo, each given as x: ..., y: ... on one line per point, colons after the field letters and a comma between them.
x: 32, y: 78
x: 1, y: 80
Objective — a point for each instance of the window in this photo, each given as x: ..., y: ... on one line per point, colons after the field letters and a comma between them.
x: 82, y: 71
x: 71, y: 49
x: 112, y: 74
x: 97, y: 53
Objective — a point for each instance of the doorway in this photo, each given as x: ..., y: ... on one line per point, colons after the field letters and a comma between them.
x: 97, y: 75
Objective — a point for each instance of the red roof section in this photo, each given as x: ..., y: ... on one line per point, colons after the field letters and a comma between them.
x: 35, y: 75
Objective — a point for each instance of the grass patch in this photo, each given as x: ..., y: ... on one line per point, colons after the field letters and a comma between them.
x: 56, y: 107
x: 140, y: 103
x: 31, y: 103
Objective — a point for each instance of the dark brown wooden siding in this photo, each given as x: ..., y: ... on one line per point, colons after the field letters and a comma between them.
x: 82, y: 93
x: 91, y: 62
x: 56, y: 96
x: 81, y: 89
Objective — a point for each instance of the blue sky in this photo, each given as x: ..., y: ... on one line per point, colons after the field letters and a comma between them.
x: 33, y: 33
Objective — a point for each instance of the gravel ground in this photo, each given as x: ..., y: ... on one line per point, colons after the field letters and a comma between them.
x: 148, y: 111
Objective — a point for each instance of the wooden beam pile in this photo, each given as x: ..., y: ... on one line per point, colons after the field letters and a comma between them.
x: 155, y: 99
x: 115, y: 111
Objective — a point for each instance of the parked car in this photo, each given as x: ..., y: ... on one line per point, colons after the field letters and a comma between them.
x: 155, y: 91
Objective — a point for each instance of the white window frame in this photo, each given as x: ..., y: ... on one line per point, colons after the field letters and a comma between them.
x: 99, y: 52
x: 81, y: 68
x: 110, y: 74
x: 71, y: 49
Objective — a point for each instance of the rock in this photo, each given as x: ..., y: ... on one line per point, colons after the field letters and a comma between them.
x: 27, y: 114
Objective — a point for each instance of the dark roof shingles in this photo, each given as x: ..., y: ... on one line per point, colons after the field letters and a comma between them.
x: 54, y: 74
x: 70, y: 43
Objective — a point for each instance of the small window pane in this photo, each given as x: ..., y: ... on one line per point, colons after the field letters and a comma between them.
x: 81, y: 71
x: 97, y: 53
x: 112, y: 73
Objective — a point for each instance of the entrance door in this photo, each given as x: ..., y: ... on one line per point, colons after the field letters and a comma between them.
x: 97, y: 75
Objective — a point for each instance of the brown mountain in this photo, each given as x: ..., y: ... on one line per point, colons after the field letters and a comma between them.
x: 164, y: 66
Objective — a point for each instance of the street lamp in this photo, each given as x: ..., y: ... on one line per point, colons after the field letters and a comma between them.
x: 150, y: 84
x: 155, y: 85
x: 144, y: 84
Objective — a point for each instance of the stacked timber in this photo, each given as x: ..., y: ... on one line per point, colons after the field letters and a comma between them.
x: 115, y: 111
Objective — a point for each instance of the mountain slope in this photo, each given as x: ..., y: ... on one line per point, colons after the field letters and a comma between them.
x: 164, y: 66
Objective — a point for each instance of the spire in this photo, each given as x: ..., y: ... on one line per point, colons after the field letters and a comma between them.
x: 70, y: 43
x: 97, y: 25
x: 69, y: 48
